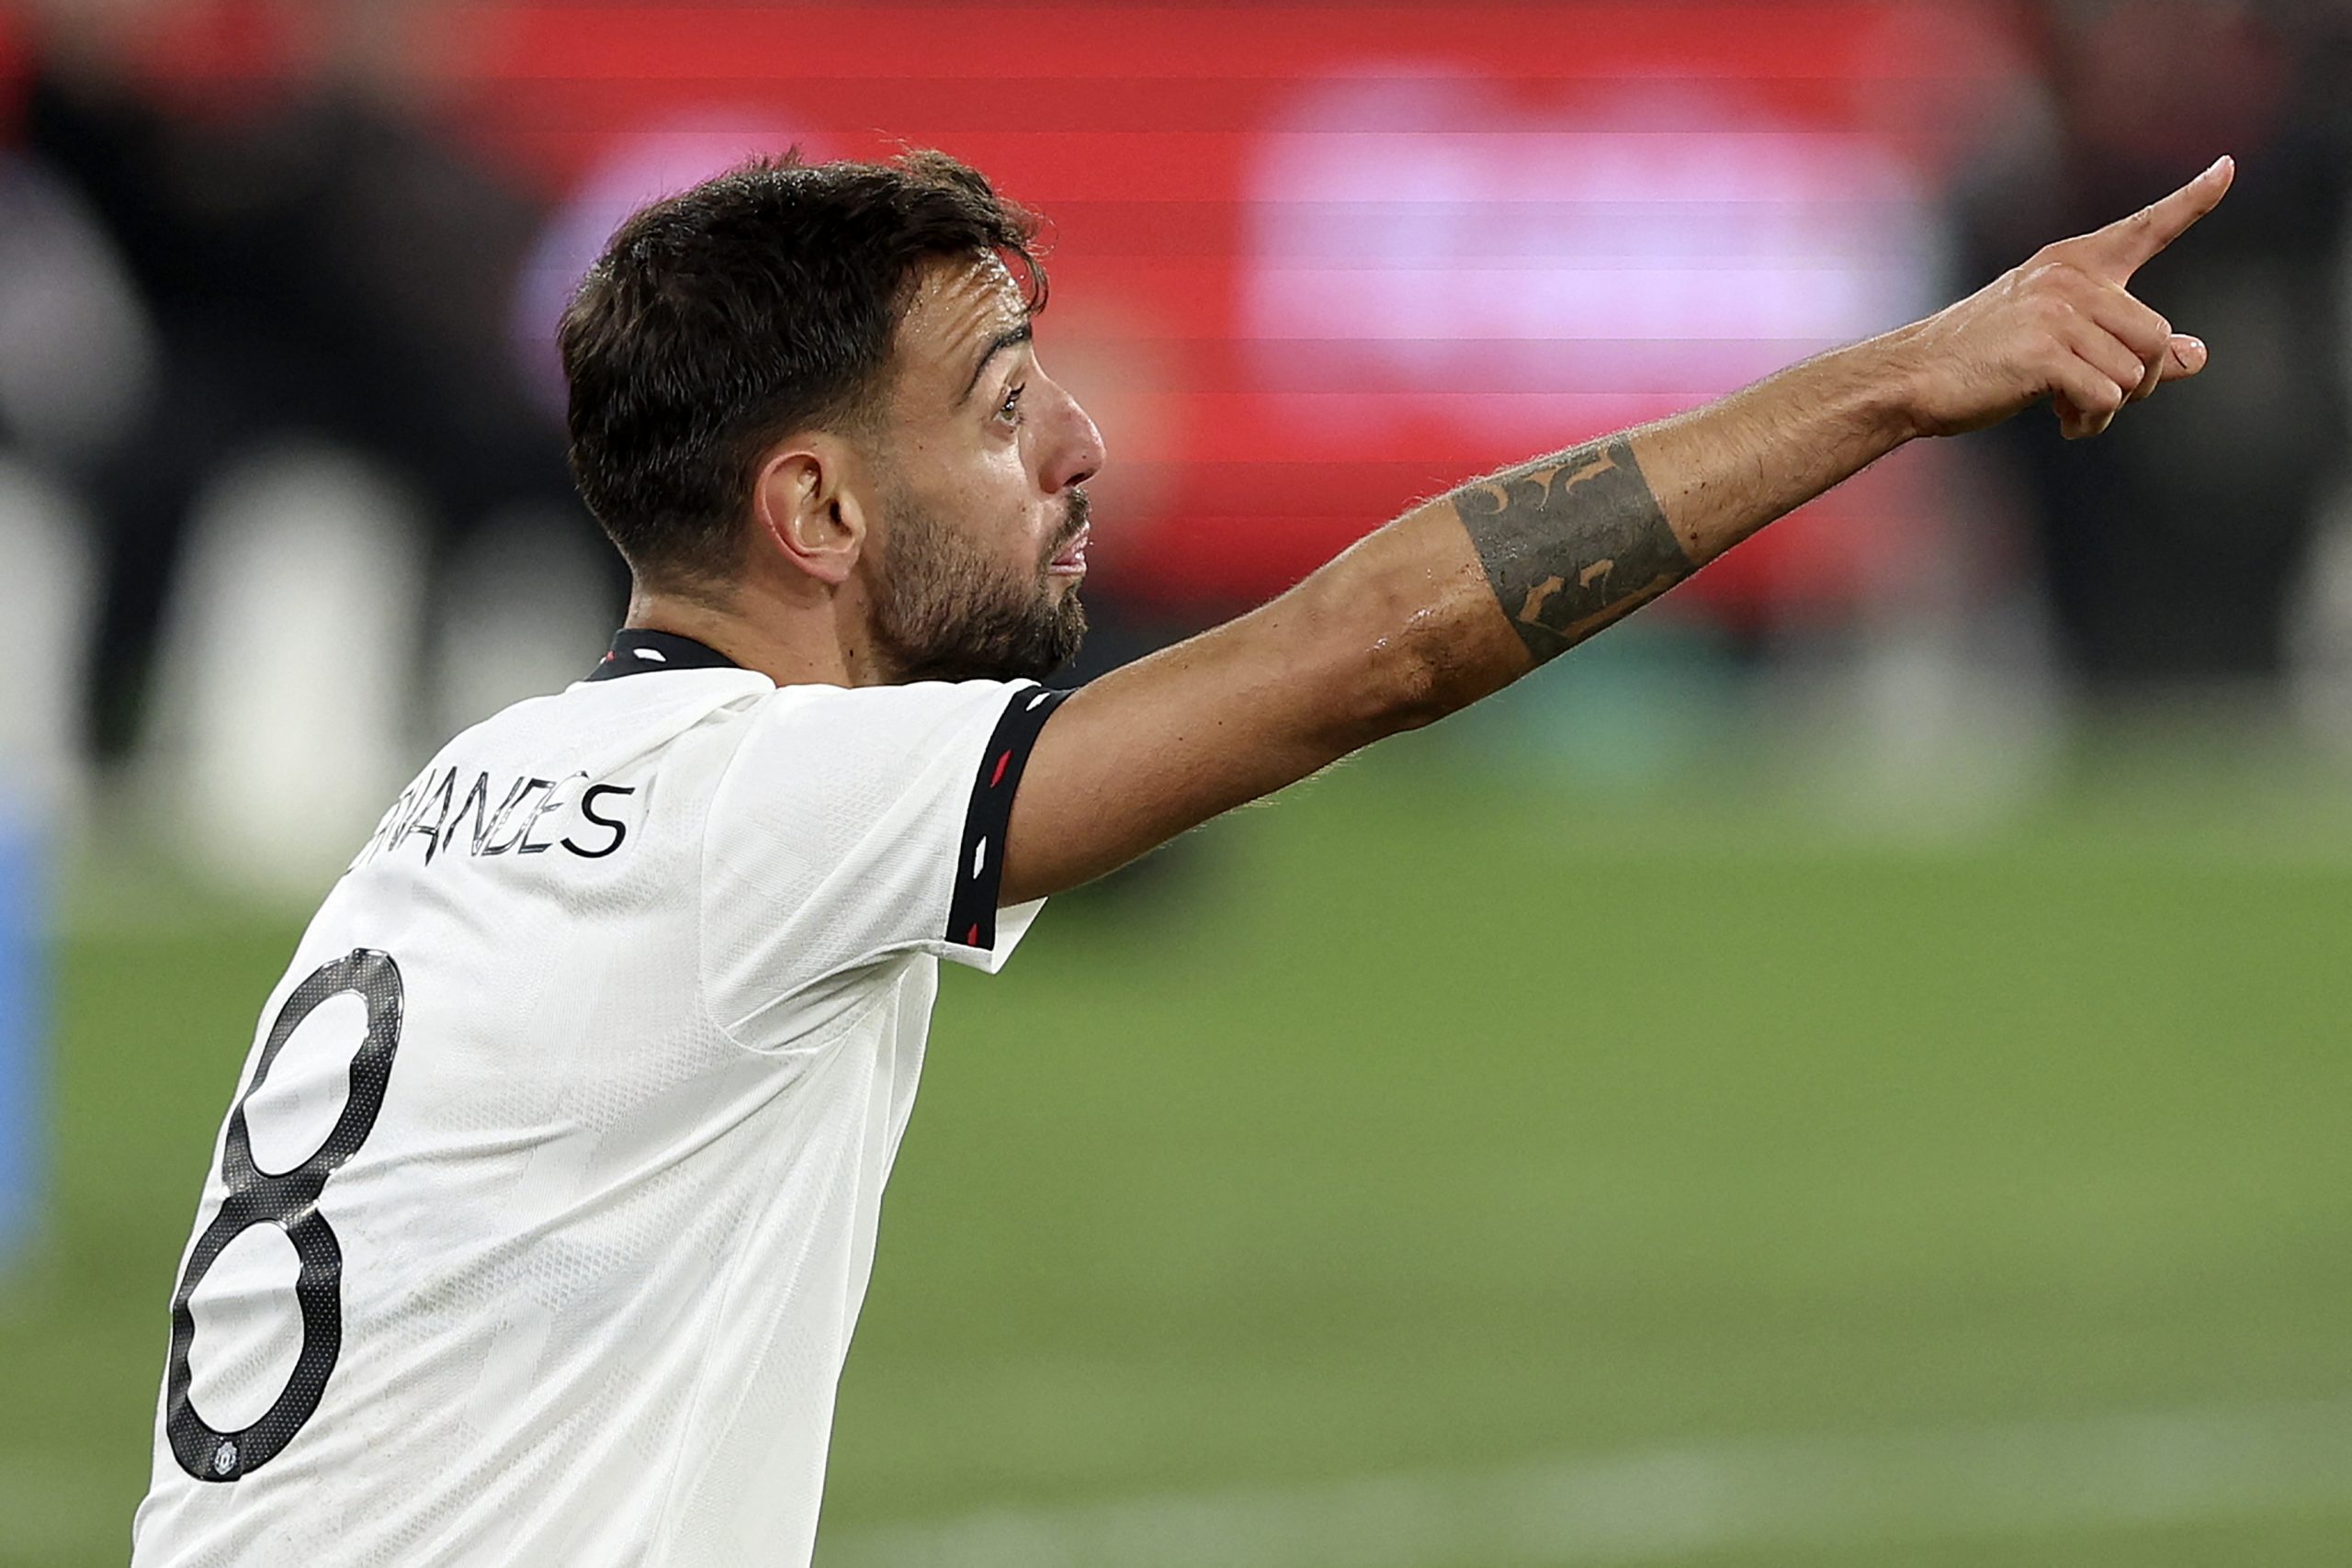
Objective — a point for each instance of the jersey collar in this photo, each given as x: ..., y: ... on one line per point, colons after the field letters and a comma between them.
x: 636, y: 651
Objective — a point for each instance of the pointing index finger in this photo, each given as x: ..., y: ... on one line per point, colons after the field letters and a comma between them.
x: 2127, y: 244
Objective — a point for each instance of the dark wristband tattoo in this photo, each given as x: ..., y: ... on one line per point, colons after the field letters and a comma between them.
x: 1571, y: 542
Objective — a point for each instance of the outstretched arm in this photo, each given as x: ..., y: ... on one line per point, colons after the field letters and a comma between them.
x: 1465, y: 594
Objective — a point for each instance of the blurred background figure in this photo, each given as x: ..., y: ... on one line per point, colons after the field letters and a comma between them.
x: 289, y: 410
x: 2177, y: 554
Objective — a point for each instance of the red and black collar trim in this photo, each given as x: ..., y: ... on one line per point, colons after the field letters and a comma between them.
x: 637, y: 650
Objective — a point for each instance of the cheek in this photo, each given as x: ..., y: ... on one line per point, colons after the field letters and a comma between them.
x: 1037, y: 547
x: 1026, y: 519
x: 997, y: 509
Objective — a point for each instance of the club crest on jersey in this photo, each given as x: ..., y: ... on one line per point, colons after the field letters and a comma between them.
x: 524, y: 816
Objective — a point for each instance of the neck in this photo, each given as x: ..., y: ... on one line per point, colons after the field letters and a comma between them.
x: 791, y: 646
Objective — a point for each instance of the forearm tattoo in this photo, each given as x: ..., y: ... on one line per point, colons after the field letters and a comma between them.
x: 1571, y: 542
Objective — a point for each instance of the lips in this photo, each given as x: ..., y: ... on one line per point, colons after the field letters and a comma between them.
x: 1072, y: 561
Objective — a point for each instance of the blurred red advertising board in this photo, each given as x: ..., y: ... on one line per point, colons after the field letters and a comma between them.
x: 1312, y: 263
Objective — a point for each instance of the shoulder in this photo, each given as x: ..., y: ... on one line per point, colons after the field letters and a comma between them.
x: 882, y: 719
x: 916, y: 700
x: 857, y: 748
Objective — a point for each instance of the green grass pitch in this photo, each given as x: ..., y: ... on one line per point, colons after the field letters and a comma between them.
x: 1448, y: 1133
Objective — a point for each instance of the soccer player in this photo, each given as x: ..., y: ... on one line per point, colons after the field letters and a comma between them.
x: 542, y: 1241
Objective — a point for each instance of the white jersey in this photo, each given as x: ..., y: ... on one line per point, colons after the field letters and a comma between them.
x: 540, y: 1221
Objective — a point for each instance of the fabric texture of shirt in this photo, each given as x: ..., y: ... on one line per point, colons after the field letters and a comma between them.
x: 540, y: 1222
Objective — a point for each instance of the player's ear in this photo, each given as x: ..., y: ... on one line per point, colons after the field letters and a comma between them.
x: 807, y: 509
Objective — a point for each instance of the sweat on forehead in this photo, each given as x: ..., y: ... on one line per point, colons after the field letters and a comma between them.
x: 971, y: 299
x: 963, y: 314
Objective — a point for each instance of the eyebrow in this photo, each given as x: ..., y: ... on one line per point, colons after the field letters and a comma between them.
x: 1011, y: 337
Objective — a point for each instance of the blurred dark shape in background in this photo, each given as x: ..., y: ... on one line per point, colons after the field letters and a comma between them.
x: 2172, y: 546
x: 1297, y: 291
x: 319, y: 261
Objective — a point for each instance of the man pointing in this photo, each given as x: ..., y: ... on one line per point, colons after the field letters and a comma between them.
x: 624, y: 1001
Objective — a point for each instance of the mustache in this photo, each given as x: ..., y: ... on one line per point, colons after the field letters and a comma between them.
x: 1080, y: 507
x: 1077, y: 508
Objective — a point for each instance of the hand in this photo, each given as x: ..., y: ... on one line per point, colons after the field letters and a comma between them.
x: 2062, y: 327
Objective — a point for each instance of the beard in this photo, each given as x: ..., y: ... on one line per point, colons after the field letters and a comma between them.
x: 946, y: 612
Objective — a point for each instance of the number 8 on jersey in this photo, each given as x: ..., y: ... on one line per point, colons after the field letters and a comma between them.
x: 288, y: 1200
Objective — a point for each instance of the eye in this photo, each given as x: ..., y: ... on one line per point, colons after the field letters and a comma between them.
x: 1008, y: 411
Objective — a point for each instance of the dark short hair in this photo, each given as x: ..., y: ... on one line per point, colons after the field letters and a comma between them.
x: 724, y: 318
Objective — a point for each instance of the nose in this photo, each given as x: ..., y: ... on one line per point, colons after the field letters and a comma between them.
x: 1076, y: 453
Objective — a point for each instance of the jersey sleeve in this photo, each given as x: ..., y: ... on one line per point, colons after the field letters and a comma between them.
x: 852, y: 824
